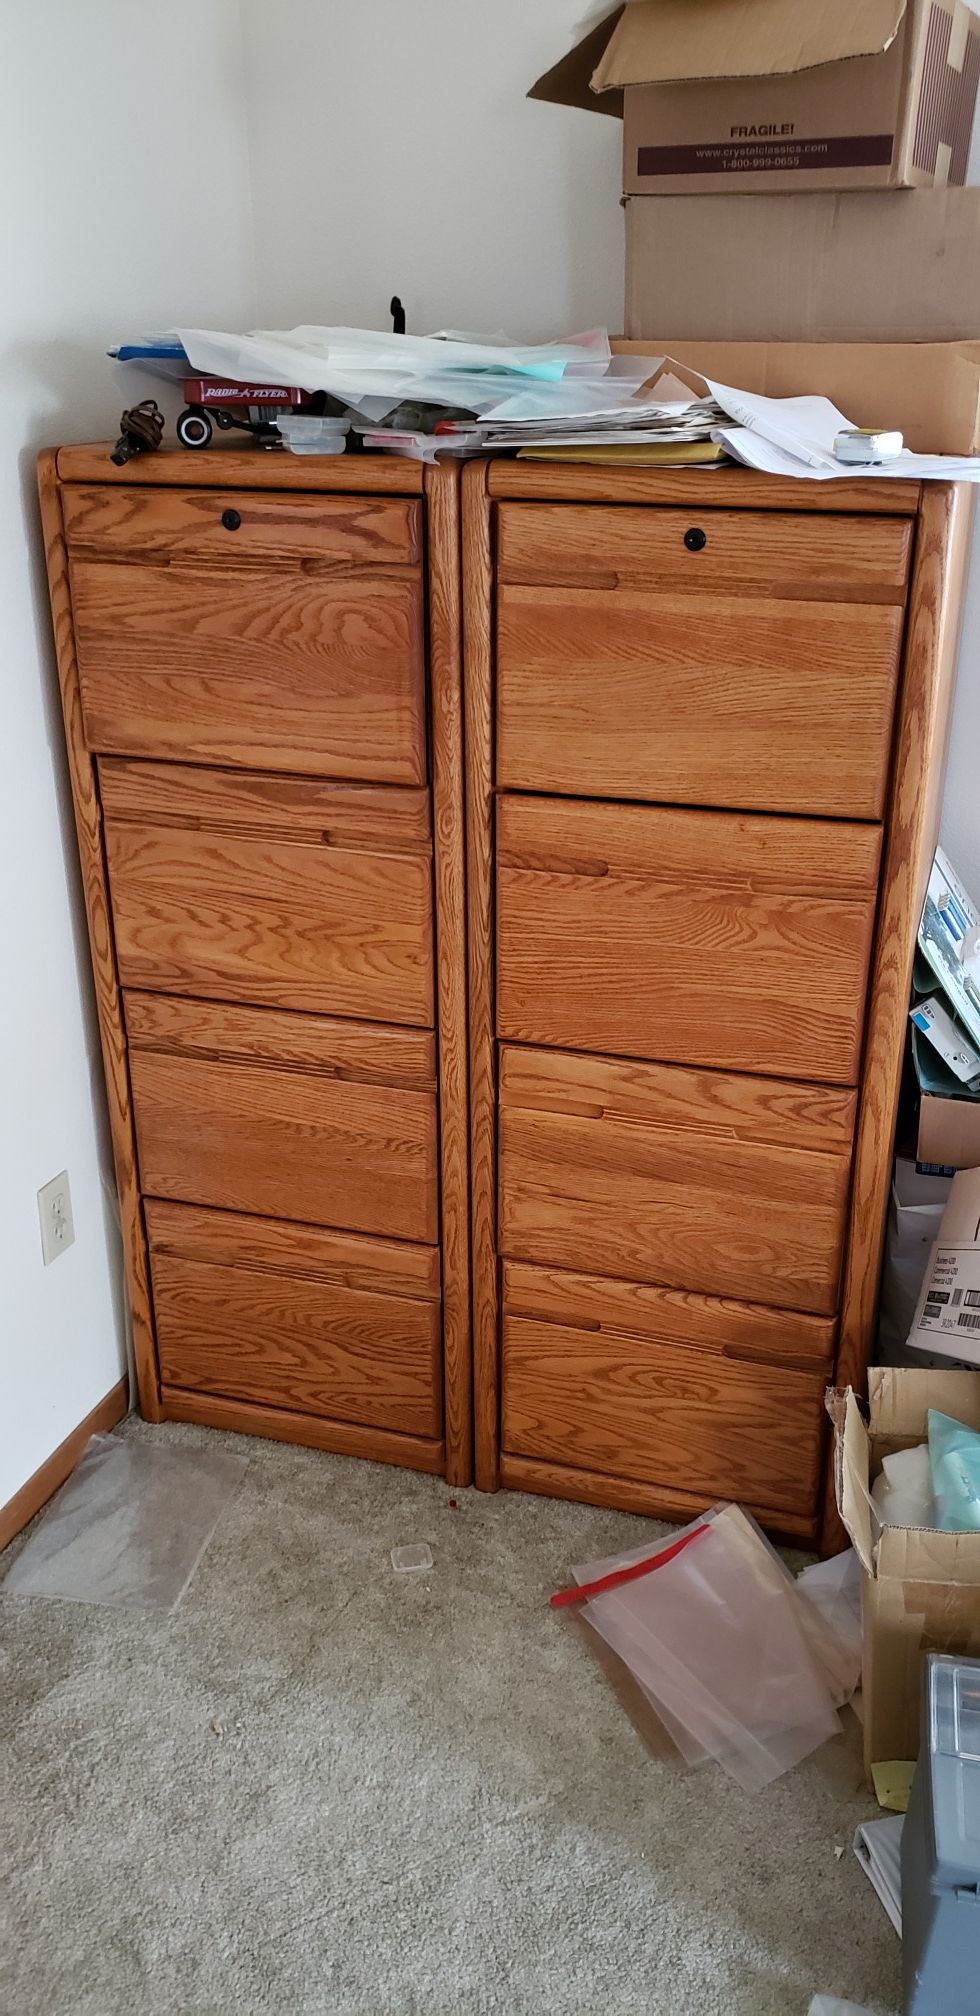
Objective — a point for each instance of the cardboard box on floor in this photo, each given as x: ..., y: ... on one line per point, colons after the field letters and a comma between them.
x: 820, y: 269
x: 742, y: 94
x: 949, y: 1132
x: 921, y: 1589
x: 929, y: 390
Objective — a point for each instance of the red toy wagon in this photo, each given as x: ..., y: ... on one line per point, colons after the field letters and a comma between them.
x: 227, y: 403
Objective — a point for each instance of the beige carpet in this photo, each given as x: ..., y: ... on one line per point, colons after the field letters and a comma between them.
x: 320, y: 1786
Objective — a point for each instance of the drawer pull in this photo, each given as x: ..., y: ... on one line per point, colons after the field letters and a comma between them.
x: 695, y: 540
x: 231, y: 520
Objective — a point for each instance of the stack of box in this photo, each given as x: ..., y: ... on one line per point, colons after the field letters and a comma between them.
x: 733, y: 107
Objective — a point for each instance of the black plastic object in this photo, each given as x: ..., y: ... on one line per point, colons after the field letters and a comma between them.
x: 695, y: 540
x: 231, y: 520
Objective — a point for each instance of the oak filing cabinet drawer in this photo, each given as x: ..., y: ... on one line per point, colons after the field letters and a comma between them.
x: 277, y: 633
x: 260, y: 671
x: 701, y: 937
x: 613, y: 1377
x: 304, y: 1321
x: 704, y: 740
x: 734, y: 659
x: 726, y: 1184
x: 278, y: 890
x: 333, y: 1122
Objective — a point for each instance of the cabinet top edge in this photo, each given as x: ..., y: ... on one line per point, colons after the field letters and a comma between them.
x: 217, y: 467
x: 740, y: 489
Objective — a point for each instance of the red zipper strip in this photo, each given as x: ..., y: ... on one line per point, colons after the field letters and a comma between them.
x: 582, y: 1591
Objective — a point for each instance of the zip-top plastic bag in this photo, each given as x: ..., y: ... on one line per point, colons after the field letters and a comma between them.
x: 710, y: 1626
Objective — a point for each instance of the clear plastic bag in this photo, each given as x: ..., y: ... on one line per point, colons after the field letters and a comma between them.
x: 714, y: 1638
x: 831, y: 1592
x: 954, y: 1455
x: 129, y: 1527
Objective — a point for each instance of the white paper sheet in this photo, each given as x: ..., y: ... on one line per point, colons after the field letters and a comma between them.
x: 795, y: 437
x: 878, y: 1847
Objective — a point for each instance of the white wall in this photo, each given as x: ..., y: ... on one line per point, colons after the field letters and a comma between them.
x: 394, y: 151
x: 126, y: 206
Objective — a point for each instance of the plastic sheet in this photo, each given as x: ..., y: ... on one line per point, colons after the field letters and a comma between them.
x: 831, y: 1591
x: 954, y: 1454
x: 714, y: 1638
x: 903, y: 1495
x: 129, y: 1527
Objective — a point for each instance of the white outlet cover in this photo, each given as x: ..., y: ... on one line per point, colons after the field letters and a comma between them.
x: 57, y: 1223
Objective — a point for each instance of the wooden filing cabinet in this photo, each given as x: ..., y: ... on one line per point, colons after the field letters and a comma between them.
x: 705, y: 730
x: 259, y: 660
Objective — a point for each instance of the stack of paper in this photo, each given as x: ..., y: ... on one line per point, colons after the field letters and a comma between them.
x: 541, y: 397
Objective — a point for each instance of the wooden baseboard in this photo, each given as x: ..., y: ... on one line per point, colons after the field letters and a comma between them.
x: 20, y: 1509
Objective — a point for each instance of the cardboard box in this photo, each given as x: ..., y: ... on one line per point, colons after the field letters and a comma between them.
x: 949, y: 1132
x: 820, y: 269
x: 921, y: 1589
x: 737, y: 94
x: 930, y: 390
x: 947, y: 1317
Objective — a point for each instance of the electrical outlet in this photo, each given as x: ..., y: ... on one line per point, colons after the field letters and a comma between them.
x: 57, y: 1223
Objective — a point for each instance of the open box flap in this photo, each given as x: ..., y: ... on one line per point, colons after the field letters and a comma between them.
x: 569, y: 81
x: 675, y: 41
x: 899, y: 1401
x: 851, y: 1474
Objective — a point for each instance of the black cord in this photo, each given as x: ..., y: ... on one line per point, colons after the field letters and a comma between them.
x: 140, y: 427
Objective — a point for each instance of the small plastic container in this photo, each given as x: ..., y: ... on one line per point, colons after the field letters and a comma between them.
x: 313, y: 433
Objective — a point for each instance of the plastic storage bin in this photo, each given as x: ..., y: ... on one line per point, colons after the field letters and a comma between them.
x: 941, y: 1847
x: 313, y: 433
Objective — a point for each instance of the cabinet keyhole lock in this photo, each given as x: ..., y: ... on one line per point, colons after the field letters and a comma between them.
x: 695, y: 540
x: 232, y: 519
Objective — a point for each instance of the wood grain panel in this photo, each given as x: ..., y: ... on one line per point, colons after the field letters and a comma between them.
x: 601, y: 1375
x: 260, y: 1245
x: 795, y: 557
x: 714, y: 698
x: 267, y: 667
x: 235, y: 1108
x: 624, y: 1494
x: 88, y: 827
x: 924, y: 712
x: 446, y: 696
x: 351, y: 816
x: 288, y: 531
x: 264, y: 1329
x: 478, y: 694
x: 733, y: 1186
x: 371, y: 1052
x: 696, y: 936
x: 251, y: 467
x: 226, y: 887
x: 279, y: 1424
x: 728, y: 487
